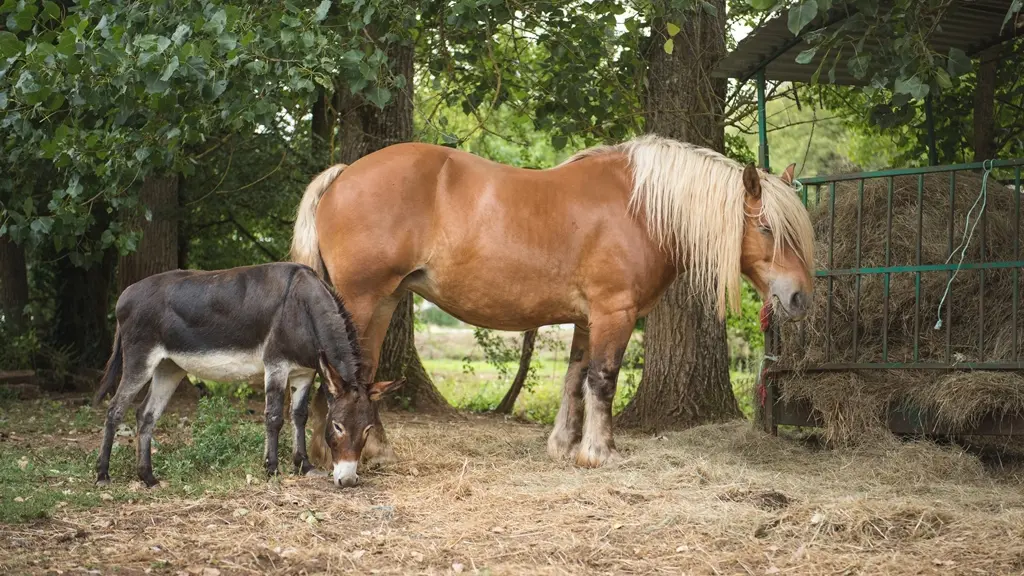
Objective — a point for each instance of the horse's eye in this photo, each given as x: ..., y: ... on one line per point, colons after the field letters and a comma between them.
x: 765, y: 230
x: 338, y: 428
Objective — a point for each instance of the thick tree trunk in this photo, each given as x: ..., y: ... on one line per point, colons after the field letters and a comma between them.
x: 365, y: 129
x: 158, y: 248
x: 686, y: 360
x: 83, y: 303
x: 13, y: 284
x: 984, y: 107
x: 526, y: 356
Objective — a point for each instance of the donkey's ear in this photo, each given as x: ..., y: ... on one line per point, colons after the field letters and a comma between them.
x: 752, y: 182
x: 330, y: 376
x: 787, y: 174
x: 378, y: 389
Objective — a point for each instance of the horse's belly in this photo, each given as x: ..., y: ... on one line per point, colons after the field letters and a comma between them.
x: 221, y: 365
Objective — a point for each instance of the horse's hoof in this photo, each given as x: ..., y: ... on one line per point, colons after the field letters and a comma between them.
x: 596, y: 456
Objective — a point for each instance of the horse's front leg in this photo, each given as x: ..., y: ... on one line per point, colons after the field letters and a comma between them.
x: 609, y: 334
x: 275, y: 381
x: 565, y: 437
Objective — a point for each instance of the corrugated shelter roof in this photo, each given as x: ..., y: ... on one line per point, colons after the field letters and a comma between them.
x: 971, y: 25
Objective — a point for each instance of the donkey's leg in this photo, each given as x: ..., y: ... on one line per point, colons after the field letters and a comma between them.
x: 569, y: 422
x: 609, y: 334
x: 165, y: 382
x: 301, y: 385
x: 136, y: 374
x: 275, y: 381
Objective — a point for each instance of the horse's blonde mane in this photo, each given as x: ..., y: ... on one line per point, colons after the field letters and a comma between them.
x: 692, y: 201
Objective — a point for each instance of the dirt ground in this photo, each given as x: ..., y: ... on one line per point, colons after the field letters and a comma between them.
x: 478, y: 495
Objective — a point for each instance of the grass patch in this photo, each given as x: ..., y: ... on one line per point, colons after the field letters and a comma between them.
x: 211, y: 454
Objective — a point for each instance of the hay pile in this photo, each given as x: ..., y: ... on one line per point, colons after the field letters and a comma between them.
x: 852, y: 403
x: 480, y: 496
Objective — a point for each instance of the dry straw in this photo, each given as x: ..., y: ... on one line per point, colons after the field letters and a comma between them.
x: 853, y: 403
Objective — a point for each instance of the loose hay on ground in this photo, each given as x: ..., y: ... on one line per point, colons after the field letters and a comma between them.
x: 481, y: 495
x: 852, y: 404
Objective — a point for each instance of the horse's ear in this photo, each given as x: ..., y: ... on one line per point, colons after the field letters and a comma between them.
x: 787, y: 174
x: 752, y: 182
x: 378, y: 389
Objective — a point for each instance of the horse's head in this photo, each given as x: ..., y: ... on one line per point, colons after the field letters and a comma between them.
x: 777, y: 252
x: 349, y: 419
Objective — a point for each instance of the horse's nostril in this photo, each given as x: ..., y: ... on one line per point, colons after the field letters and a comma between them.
x: 798, y: 302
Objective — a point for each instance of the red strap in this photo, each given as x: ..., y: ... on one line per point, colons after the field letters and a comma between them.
x: 766, y: 315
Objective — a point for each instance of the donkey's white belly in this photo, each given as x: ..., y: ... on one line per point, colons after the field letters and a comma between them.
x: 223, y: 366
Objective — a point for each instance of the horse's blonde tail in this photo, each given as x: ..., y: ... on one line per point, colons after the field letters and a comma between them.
x: 305, y: 243
x: 306, y: 250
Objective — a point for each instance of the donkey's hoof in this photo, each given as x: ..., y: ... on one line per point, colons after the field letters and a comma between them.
x: 150, y: 481
x: 101, y: 481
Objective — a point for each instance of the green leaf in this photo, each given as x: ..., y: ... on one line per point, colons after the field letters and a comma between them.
x: 669, y: 46
x: 379, y: 96
x: 911, y: 86
x: 761, y: 4
x: 959, y: 63
x: 171, y: 68
x: 942, y: 79
x: 1015, y: 9
x: 51, y: 9
x: 9, y: 45
x: 217, y: 22
x: 162, y: 43
x: 308, y: 38
x: 858, y: 65
x: 3, y: 100
x: 181, y: 33
x: 672, y: 29
x: 801, y: 15
x: 322, y: 10
x: 709, y: 8
x: 806, y: 56
x: 558, y: 141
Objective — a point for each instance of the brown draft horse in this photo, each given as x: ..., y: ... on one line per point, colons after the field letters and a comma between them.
x: 594, y: 241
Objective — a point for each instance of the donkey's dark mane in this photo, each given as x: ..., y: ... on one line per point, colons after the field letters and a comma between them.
x: 350, y: 329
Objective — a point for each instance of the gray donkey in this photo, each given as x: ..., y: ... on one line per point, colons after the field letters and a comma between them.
x: 276, y: 320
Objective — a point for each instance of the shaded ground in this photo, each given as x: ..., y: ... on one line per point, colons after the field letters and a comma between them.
x: 477, y: 494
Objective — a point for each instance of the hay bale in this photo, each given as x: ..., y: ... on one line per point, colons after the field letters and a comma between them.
x: 853, y: 403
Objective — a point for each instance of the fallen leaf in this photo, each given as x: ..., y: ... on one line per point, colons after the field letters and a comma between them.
x: 414, y: 471
x: 239, y: 512
x: 616, y: 527
x: 248, y: 479
x: 106, y: 496
x: 799, y: 554
x: 19, y: 499
x: 358, y: 554
x: 417, y: 557
x: 288, y: 552
x: 457, y: 567
x: 23, y: 463
x: 772, y: 570
x: 211, y: 572
x: 683, y: 548
x: 817, y: 518
x: 938, y: 562
x: 497, y: 530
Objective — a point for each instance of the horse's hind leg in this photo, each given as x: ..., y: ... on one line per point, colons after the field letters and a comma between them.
x: 165, y: 382
x: 609, y: 334
x: 136, y: 374
x: 569, y: 423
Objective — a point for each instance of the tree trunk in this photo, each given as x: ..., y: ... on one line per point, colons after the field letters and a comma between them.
x: 686, y: 360
x: 83, y: 304
x: 509, y: 401
x: 13, y: 284
x: 365, y: 129
x: 157, y: 250
x: 984, y: 106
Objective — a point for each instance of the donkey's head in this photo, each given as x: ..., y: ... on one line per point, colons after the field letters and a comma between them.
x: 349, y: 419
x: 778, y: 241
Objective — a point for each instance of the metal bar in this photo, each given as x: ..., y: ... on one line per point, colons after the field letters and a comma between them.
x: 856, y: 280
x: 921, y: 268
x: 916, y: 275
x: 929, y: 120
x: 834, y: 17
x: 949, y: 274
x: 1016, y: 256
x: 981, y: 287
x: 973, y: 166
x: 888, y: 276
x: 845, y: 366
x: 762, y: 123
x: 831, y: 263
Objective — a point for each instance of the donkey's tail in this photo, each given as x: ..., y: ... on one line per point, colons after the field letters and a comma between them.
x: 305, y: 243
x: 112, y: 373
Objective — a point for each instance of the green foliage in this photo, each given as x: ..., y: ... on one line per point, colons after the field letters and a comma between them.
x: 220, y: 441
